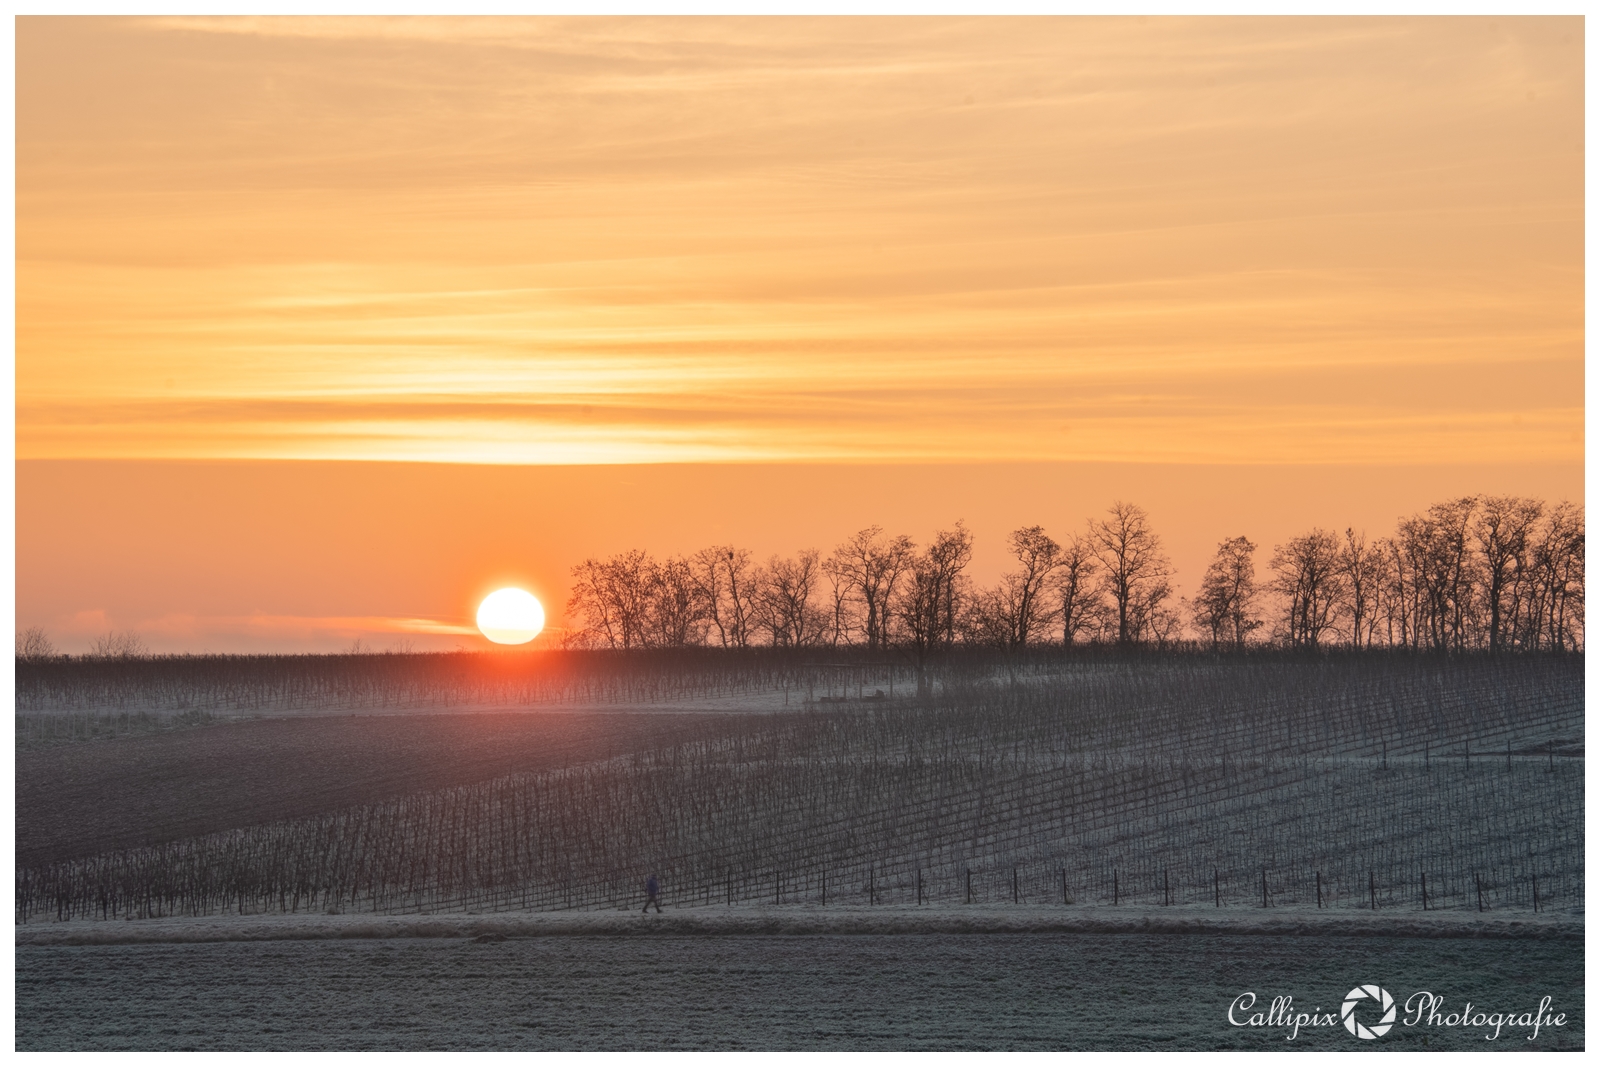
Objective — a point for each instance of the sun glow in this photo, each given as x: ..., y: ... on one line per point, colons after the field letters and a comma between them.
x: 510, y: 617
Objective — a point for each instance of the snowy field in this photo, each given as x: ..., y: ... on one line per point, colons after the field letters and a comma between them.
x: 1038, y: 991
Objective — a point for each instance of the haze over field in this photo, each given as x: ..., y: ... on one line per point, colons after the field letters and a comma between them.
x: 327, y: 327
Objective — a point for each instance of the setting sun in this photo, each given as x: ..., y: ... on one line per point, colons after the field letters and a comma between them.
x: 510, y: 617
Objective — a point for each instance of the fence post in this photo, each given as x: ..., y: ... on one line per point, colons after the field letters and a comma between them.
x: 872, y: 889
x: 777, y: 887
x: 1424, y: 890
x: 1113, y: 887
x: 1319, y: 889
x: 1016, y: 895
x: 824, y: 887
x: 919, y: 887
x: 1063, y: 885
x: 1166, y: 896
x: 969, y: 885
x: 1264, y: 887
x: 1372, y: 890
x: 1477, y: 884
x: 1216, y: 884
x: 1536, y: 892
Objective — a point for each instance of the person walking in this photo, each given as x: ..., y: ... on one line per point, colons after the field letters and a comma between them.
x: 652, y: 894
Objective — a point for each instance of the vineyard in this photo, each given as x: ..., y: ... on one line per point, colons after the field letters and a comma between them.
x: 1359, y: 781
x: 67, y: 699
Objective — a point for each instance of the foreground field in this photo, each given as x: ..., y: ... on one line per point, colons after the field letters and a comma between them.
x: 809, y: 920
x: 1391, y: 784
x: 863, y: 992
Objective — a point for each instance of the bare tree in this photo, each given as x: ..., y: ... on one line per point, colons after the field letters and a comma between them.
x: 782, y: 600
x: 1559, y: 565
x: 1503, y: 531
x: 948, y: 557
x: 119, y: 644
x: 930, y: 598
x: 985, y: 620
x: 1307, y: 576
x: 1363, y: 568
x: 1019, y: 602
x: 1400, y: 599
x: 1079, y: 606
x: 1159, y: 623
x: 33, y: 645
x: 869, y: 566
x: 1436, y: 572
x: 613, y: 597
x: 1454, y: 574
x: 1225, y: 605
x: 839, y: 613
x: 677, y: 611
x: 723, y: 575
x: 1484, y: 573
x: 1135, y: 573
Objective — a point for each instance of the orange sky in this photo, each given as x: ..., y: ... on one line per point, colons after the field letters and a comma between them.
x: 832, y: 272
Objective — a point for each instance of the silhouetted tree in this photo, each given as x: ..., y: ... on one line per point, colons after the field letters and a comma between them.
x: 1306, y: 574
x: 119, y: 644
x: 677, y: 610
x: 1020, y: 599
x: 930, y: 598
x: 1135, y: 573
x: 613, y: 598
x: 1558, y: 559
x: 722, y: 576
x: 783, y: 597
x: 1225, y: 605
x: 34, y: 644
x: 1503, y: 533
x: 1079, y: 607
x: 1436, y: 575
x: 1364, y: 568
x: 868, y: 567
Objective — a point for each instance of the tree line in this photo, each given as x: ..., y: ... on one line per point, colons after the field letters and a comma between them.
x: 1490, y: 573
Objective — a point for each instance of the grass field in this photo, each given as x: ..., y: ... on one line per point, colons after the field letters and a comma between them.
x: 1260, y: 781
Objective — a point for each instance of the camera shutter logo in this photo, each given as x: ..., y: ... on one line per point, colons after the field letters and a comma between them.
x: 1384, y: 1001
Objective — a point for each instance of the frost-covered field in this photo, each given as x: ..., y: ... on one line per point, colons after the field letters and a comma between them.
x: 901, y: 991
x: 1053, y: 855
x: 813, y: 919
x: 65, y: 698
x: 1387, y: 784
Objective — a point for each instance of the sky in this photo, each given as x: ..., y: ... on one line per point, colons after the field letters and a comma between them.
x: 327, y: 326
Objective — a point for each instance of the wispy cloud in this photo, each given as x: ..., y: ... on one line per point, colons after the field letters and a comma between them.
x: 624, y: 240
x: 97, y: 621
